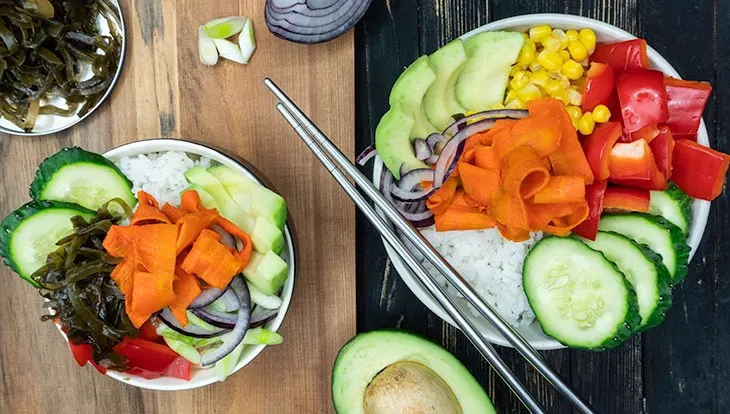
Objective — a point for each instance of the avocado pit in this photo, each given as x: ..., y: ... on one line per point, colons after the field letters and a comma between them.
x: 409, y: 387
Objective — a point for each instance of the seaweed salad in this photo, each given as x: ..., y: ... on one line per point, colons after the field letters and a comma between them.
x: 55, y: 49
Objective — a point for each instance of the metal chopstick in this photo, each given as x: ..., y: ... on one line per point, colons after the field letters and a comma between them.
x: 434, y: 288
x: 412, y: 234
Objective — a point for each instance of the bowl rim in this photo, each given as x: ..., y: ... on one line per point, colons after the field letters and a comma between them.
x: 701, y: 208
x: 107, y: 93
x: 218, y: 155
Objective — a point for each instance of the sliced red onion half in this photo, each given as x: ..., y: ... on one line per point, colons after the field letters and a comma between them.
x: 239, y: 331
x: 206, y: 297
x: 220, y: 319
x: 421, y: 149
x: 228, y: 301
x: 262, y: 315
x: 452, y: 151
x: 167, y: 317
x: 365, y: 156
x: 460, y: 122
x: 313, y: 21
x: 408, y: 187
x: 436, y: 142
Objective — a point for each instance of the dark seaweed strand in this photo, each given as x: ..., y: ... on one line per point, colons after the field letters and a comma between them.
x: 45, y: 48
x: 82, y: 296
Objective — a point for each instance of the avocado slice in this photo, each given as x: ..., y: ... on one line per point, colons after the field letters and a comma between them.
x: 268, y: 272
x: 252, y: 197
x: 483, y: 79
x: 225, y: 204
x: 395, y: 371
x: 393, y: 143
x: 409, y: 90
x: 439, y: 102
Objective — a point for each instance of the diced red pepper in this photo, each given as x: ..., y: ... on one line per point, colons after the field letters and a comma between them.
x: 179, y: 368
x: 627, y: 55
x: 84, y: 353
x: 145, y: 358
x: 643, y: 98
x: 662, y: 147
x: 598, y: 145
x: 626, y: 199
x: 633, y: 165
x: 686, y: 103
x: 599, y: 87
x: 149, y: 332
x: 594, y: 196
x: 648, y: 133
x: 698, y: 170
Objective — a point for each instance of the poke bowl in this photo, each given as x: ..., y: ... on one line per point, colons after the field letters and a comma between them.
x: 229, y: 285
x: 503, y: 288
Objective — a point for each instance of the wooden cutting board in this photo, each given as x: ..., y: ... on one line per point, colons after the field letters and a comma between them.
x: 165, y: 92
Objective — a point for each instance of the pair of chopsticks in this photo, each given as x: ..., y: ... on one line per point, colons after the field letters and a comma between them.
x: 340, y: 167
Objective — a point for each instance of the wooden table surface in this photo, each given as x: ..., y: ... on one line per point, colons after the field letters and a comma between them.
x: 679, y: 367
x: 165, y: 92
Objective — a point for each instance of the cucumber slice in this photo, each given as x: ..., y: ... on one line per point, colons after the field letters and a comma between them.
x: 85, y: 178
x: 29, y: 234
x: 674, y: 205
x: 579, y: 297
x: 643, y: 269
x: 658, y: 234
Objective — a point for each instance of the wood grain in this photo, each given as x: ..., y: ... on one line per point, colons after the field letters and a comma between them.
x: 165, y: 92
x: 679, y: 367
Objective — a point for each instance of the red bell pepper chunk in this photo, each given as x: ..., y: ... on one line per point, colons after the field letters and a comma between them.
x: 633, y: 165
x: 145, y: 358
x: 698, y: 170
x: 643, y: 98
x: 149, y: 332
x: 84, y: 353
x: 599, y: 87
x: 626, y: 199
x: 594, y: 196
x: 662, y: 147
x: 648, y: 133
x: 627, y: 55
x: 686, y: 103
x: 598, y: 145
x: 179, y: 368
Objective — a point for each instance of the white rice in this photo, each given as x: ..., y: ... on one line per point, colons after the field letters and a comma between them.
x: 491, y: 264
x: 160, y: 174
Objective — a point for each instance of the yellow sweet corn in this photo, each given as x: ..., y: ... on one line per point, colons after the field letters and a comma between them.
x: 515, y: 104
x: 572, y: 69
x: 586, y: 124
x: 565, y: 55
x: 575, y: 113
x: 553, y: 86
x: 572, y: 35
x: 601, y: 114
x: 574, y: 97
x: 550, y: 60
x: 528, y: 93
x: 511, y: 95
x: 529, y: 43
x: 578, y: 52
x: 551, y: 43
x: 540, y: 78
x: 538, y: 33
x: 562, y: 96
x: 534, y: 66
x: 562, y: 38
x: 527, y: 55
x: 515, y: 69
x: 588, y: 38
x: 498, y: 105
x: 519, y: 80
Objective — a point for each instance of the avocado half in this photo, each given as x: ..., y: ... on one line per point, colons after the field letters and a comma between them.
x: 395, y: 372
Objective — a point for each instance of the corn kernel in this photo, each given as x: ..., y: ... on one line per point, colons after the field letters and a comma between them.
x: 534, y: 66
x: 588, y: 38
x: 540, y: 78
x: 601, y: 114
x: 529, y: 43
x: 516, y: 69
x: 528, y: 93
x: 562, y: 37
x: 498, y: 105
x: 519, y: 80
x: 526, y: 55
x: 586, y: 124
x: 574, y: 97
x: 538, y: 33
x: 565, y: 55
x: 575, y: 113
x: 553, y: 86
x: 551, y: 43
x: 515, y: 104
x: 572, y: 69
x: 562, y: 96
x: 511, y: 95
x: 572, y: 35
x: 577, y: 51
x: 550, y: 60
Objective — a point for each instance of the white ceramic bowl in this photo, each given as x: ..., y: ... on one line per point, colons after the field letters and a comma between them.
x: 605, y: 33
x: 202, y: 377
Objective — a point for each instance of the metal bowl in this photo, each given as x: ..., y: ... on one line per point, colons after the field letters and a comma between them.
x: 50, y: 124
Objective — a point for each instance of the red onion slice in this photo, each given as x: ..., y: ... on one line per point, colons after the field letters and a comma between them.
x: 191, y: 330
x: 405, y: 189
x: 452, y: 151
x: 206, y: 297
x: 226, y: 237
x: 421, y: 149
x: 365, y: 156
x: 436, y: 142
x: 239, y: 331
x: 313, y: 21
x: 229, y: 300
x: 262, y: 315
x: 220, y: 319
x: 484, y: 115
